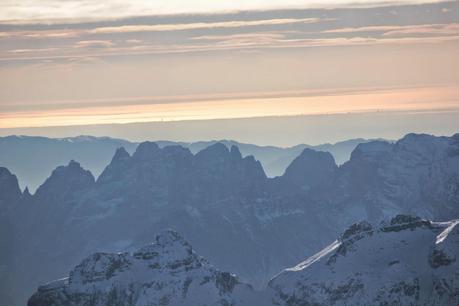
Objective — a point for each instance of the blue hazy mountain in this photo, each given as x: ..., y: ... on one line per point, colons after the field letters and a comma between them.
x: 33, y: 158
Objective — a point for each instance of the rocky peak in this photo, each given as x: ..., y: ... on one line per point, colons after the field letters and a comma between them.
x: 146, y: 150
x: 254, y: 168
x: 412, y: 138
x: 217, y: 151
x: 120, y: 155
x: 371, y: 150
x: 176, y: 152
x: 117, y: 167
x: 171, y: 238
x: 402, y: 222
x: 356, y: 228
x: 422, y: 145
x: 171, y: 243
x: 64, y: 179
x: 218, y: 157
x: 26, y: 195
x: 309, y: 169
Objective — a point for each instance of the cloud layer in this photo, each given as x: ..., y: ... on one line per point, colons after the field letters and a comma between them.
x: 203, y: 66
x: 48, y: 11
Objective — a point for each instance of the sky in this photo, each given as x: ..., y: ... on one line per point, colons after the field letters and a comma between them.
x: 161, y: 69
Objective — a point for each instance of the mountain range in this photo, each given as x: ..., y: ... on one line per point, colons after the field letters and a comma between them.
x: 94, y: 154
x: 233, y: 214
x: 404, y: 261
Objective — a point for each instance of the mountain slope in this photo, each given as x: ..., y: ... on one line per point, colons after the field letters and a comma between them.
x: 407, y: 261
x: 167, y: 272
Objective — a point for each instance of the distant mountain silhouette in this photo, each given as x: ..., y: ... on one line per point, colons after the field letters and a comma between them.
x: 33, y: 158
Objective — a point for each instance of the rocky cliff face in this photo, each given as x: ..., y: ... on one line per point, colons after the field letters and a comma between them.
x: 419, y: 174
x: 308, y: 171
x: 406, y: 261
x: 167, y: 272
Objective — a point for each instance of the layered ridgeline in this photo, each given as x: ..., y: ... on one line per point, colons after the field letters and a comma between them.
x: 94, y: 154
x: 405, y: 261
x: 224, y: 204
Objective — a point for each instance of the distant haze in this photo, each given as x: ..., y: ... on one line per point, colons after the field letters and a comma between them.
x: 277, y: 131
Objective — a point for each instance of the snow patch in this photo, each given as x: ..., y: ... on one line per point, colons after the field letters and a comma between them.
x: 442, y: 236
x: 316, y: 257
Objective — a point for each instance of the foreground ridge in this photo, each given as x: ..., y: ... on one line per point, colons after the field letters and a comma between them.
x: 406, y: 261
x: 403, y: 261
x: 167, y: 272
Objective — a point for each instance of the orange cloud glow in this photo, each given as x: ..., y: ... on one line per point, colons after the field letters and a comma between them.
x: 417, y: 99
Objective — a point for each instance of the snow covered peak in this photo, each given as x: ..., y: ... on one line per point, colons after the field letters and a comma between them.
x: 167, y: 272
x: 400, y: 262
x: 172, y: 245
x: 171, y: 238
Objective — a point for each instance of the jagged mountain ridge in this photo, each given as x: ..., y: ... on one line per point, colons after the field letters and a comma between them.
x: 206, y: 197
x: 404, y: 261
x: 94, y: 154
x: 179, y: 173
